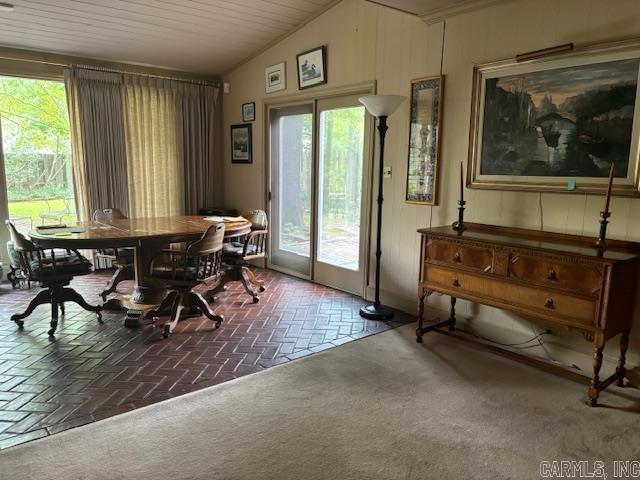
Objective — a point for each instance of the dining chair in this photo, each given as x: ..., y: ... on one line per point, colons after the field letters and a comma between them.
x: 53, y: 271
x: 238, y: 254
x: 122, y: 258
x: 57, y: 215
x: 15, y: 275
x: 190, y: 275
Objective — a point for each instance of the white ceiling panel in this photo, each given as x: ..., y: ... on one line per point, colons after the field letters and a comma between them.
x: 203, y: 36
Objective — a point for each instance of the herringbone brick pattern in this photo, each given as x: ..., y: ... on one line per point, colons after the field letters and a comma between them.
x: 91, y: 371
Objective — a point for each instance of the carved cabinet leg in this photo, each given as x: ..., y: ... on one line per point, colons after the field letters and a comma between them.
x: 624, y: 345
x: 420, y: 317
x: 598, y: 347
x: 452, y: 315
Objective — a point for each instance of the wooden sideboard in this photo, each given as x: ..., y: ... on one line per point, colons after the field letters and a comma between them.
x: 563, y: 279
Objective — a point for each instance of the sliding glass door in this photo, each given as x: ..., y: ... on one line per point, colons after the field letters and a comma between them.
x: 343, y: 140
x: 291, y: 188
x: 319, y: 162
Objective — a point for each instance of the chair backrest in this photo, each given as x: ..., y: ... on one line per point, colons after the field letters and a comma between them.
x: 107, y: 214
x: 205, y: 255
x: 24, y: 248
x: 258, y: 219
x: 210, y: 242
x: 20, y: 242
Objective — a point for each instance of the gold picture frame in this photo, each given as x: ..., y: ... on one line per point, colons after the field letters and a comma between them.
x: 425, y: 127
x: 561, y: 140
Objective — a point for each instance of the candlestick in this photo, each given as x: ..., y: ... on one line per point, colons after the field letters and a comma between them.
x: 461, y: 182
x: 459, y: 225
x: 604, y: 214
x: 607, y: 200
x: 602, y: 238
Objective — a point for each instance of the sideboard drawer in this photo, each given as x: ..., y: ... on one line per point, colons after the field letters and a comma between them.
x: 536, y: 300
x: 475, y: 258
x: 581, y: 279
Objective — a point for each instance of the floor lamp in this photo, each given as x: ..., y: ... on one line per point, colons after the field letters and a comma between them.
x: 380, y: 106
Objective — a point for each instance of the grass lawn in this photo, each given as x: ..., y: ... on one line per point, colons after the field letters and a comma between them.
x: 32, y: 209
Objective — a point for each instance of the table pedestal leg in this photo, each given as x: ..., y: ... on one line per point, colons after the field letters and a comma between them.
x: 146, y: 294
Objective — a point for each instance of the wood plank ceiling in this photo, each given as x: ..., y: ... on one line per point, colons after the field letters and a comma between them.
x: 203, y: 36
x: 420, y: 7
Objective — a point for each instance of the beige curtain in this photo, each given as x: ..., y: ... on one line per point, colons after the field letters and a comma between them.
x: 97, y: 131
x: 197, y: 143
x: 169, y: 143
x: 156, y: 181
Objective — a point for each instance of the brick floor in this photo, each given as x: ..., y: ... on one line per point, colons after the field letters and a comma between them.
x: 92, y: 371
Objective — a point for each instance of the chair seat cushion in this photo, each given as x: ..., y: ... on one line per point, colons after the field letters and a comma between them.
x: 235, y: 249
x: 166, y: 272
x: 67, y: 265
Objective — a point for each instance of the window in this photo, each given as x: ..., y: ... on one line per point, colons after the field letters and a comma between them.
x: 37, y: 152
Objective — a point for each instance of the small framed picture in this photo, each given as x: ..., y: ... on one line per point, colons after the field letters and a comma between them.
x: 275, y: 78
x: 312, y: 68
x: 248, y: 112
x: 241, y: 143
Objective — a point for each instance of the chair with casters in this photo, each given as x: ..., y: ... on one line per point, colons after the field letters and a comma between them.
x: 190, y: 275
x: 53, y: 271
x: 238, y: 254
x: 122, y: 258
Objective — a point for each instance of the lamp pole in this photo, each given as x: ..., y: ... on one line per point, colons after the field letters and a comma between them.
x: 377, y: 311
x: 380, y: 106
x: 382, y: 130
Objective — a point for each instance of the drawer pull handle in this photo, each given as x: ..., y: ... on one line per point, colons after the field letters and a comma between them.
x: 455, y: 282
x: 552, y: 275
x: 548, y: 303
x: 456, y: 257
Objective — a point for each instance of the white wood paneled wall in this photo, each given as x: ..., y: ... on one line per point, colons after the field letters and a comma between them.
x: 369, y: 42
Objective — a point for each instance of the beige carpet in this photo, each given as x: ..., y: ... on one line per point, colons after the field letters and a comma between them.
x: 380, y: 408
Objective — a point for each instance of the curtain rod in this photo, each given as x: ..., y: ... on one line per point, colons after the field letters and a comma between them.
x: 99, y: 68
x: 63, y: 64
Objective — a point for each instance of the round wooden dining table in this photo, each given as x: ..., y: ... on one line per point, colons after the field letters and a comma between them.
x: 147, y: 236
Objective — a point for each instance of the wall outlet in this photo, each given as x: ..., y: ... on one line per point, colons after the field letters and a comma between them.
x: 386, y: 172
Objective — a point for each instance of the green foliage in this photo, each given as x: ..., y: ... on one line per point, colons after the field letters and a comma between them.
x: 34, y: 115
x: 29, y: 212
x: 36, y: 138
x: 342, y: 133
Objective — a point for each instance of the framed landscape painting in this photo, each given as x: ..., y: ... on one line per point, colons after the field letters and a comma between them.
x: 557, y: 123
x: 424, y: 140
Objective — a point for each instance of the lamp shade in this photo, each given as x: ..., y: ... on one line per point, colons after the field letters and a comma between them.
x: 381, y: 105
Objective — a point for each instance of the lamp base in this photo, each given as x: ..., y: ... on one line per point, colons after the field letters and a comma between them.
x: 371, y: 312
